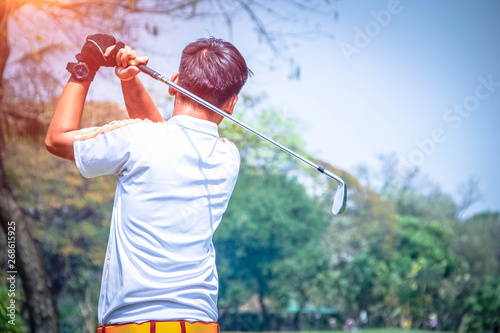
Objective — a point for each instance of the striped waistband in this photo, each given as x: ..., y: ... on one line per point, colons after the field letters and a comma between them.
x: 162, y: 327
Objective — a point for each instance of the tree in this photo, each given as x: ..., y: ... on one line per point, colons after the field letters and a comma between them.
x: 431, y: 269
x: 484, y: 307
x: 269, y: 221
x: 412, y: 194
x: 36, y: 282
x: 475, y: 242
x: 74, y: 252
x: 265, y: 167
x: 407, y: 271
x: 303, y: 279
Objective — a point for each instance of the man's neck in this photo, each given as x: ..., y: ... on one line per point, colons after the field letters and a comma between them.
x: 196, y: 112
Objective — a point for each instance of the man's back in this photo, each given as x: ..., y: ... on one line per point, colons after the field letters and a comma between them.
x: 175, y: 180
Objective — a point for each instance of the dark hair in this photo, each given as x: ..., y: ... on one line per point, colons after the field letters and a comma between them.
x: 213, y: 69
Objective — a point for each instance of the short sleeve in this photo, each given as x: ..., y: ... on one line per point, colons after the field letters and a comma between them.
x: 104, y: 150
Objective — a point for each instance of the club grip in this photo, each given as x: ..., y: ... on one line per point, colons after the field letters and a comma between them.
x: 145, y: 69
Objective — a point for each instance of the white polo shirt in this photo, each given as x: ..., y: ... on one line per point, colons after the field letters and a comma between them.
x: 174, y: 183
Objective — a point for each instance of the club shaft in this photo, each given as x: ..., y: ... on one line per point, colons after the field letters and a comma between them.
x: 157, y: 76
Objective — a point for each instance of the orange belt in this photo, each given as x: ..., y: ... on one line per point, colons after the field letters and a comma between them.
x: 162, y: 327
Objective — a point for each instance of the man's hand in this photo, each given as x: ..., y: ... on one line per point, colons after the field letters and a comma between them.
x: 137, y: 100
x: 126, y: 62
x: 95, y: 51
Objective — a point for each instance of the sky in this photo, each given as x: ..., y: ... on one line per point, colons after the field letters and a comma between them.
x: 421, y: 82
x: 424, y: 84
x: 417, y: 79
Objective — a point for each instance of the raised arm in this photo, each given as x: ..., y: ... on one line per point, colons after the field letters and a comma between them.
x: 68, y: 113
x: 137, y: 100
x: 66, y: 119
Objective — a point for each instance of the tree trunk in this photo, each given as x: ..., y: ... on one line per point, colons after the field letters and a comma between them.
x: 4, y: 42
x: 297, y: 320
x: 88, y: 312
x: 28, y: 263
x: 265, y: 314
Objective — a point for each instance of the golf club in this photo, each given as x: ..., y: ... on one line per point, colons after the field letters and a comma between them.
x: 340, y: 197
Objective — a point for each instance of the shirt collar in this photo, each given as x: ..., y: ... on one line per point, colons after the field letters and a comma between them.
x: 195, y: 124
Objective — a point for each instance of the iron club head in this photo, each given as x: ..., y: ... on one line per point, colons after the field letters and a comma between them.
x: 339, y: 199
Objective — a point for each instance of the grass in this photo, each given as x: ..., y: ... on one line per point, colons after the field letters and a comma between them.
x: 373, y: 330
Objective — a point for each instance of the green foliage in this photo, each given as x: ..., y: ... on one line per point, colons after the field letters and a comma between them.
x: 42, y: 181
x: 257, y: 152
x: 476, y: 242
x: 435, y: 205
x: 484, y: 307
x: 74, y: 242
x: 410, y: 195
x: 424, y: 264
x: 270, y: 220
x: 7, y: 315
x: 411, y: 276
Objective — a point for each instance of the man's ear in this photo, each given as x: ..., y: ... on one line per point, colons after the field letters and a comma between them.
x: 229, y: 104
x: 174, y: 79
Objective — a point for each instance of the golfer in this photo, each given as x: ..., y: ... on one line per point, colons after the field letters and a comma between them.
x: 175, y: 178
